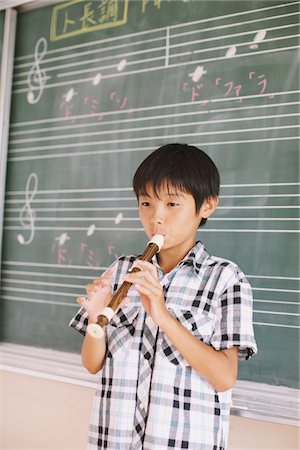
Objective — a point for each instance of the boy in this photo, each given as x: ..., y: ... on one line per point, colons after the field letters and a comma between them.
x: 170, y: 355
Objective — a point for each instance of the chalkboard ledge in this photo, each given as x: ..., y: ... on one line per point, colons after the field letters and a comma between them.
x: 253, y: 400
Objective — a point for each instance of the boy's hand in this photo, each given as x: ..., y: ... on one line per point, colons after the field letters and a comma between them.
x: 147, y: 284
x: 98, y: 295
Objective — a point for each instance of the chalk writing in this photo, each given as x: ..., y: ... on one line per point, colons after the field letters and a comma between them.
x: 91, y: 230
x: 230, y: 52
x: 97, y: 79
x: 37, y: 78
x: 119, y: 218
x: 69, y: 95
x: 230, y: 88
x: 259, y: 37
x: 62, y: 238
x: 67, y: 109
x: 121, y: 101
x: 76, y: 17
x: 88, y: 253
x: 198, y: 73
x: 122, y: 64
x: 27, y: 214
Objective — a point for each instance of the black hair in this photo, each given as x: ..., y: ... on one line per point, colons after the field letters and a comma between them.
x: 181, y: 166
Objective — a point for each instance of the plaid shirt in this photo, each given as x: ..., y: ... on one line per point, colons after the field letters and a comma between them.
x: 173, y: 407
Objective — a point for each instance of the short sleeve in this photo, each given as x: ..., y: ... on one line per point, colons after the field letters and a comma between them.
x: 80, y: 321
x: 234, y: 325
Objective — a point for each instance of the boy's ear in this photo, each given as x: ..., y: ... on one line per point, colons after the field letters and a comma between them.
x: 209, y: 206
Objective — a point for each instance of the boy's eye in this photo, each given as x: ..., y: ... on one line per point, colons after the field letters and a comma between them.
x: 172, y: 204
x: 145, y: 203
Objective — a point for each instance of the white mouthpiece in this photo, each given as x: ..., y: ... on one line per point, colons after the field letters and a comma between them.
x: 157, y: 239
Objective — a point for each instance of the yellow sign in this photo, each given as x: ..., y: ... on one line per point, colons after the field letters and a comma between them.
x: 78, y: 17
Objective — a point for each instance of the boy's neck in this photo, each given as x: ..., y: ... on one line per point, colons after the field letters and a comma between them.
x: 170, y: 258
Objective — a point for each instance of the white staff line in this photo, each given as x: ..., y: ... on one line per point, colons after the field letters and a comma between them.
x: 226, y: 36
x: 61, y: 285
x: 162, y: 29
x: 132, y: 208
x: 99, y: 43
x: 260, y: 207
x: 224, y: 47
x: 259, y: 196
x: 50, y: 302
x: 45, y: 274
x: 144, y: 138
x: 233, y: 25
x: 278, y: 325
x: 47, y: 302
x: 272, y: 277
x: 249, y: 230
x: 259, y: 184
x: 11, y: 227
x: 170, y: 105
x: 97, y: 51
x: 59, y: 275
x: 145, y: 41
x: 174, y: 36
x: 172, y: 56
x: 214, y: 230
x: 276, y: 290
x: 103, y: 268
x: 120, y: 208
x: 101, y: 152
x: 117, y: 57
x: 162, y: 116
x: 49, y: 265
x: 280, y: 302
x: 151, y: 69
x: 86, y: 190
x: 31, y: 300
x: 75, y: 199
x: 75, y: 219
x: 38, y: 291
x: 257, y: 219
x: 134, y: 219
x: 67, y: 200
x: 257, y: 311
x: 113, y: 65
x: 241, y: 13
x: 147, y: 128
x: 42, y: 283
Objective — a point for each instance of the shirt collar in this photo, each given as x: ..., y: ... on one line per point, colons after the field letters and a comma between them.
x: 196, y: 257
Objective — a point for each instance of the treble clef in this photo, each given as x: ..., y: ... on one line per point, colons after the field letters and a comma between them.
x: 27, y: 214
x: 37, y: 78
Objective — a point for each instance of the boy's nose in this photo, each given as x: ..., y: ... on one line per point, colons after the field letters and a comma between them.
x: 157, y: 217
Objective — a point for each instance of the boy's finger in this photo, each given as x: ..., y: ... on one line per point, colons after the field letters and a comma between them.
x: 144, y: 265
x: 89, y: 288
x: 80, y: 300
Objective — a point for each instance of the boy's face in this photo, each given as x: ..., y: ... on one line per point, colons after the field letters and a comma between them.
x: 173, y: 214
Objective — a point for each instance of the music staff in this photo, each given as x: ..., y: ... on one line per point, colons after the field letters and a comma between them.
x: 37, y: 77
x: 27, y: 214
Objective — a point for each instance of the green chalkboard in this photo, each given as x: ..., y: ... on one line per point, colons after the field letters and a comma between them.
x: 95, y: 90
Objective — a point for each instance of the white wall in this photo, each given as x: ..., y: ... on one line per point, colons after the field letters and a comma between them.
x: 37, y: 413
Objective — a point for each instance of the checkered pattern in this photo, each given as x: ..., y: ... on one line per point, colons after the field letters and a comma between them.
x: 147, y: 351
x: 149, y: 397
